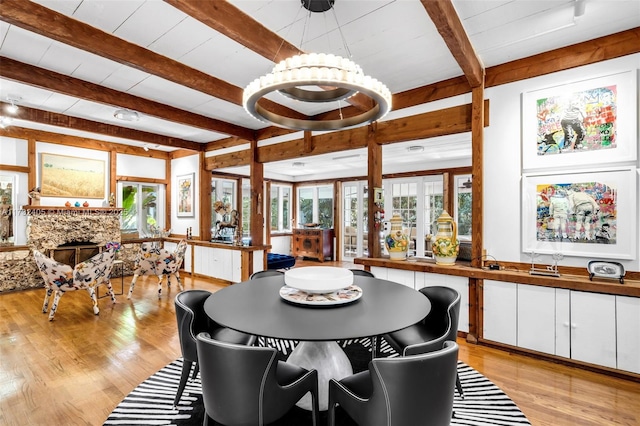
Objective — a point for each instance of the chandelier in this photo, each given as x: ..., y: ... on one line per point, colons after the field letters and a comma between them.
x: 338, y: 77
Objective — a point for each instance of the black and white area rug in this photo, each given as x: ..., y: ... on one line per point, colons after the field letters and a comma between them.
x: 151, y: 403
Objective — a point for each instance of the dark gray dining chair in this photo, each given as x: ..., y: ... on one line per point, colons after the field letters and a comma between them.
x: 439, y: 326
x: 192, y: 320
x: 266, y: 273
x: 362, y: 273
x: 248, y: 385
x: 403, y: 391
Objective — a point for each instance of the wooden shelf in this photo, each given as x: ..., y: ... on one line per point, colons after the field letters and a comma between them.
x: 463, y: 269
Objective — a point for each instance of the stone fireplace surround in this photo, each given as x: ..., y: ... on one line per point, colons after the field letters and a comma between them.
x: 50, y: 227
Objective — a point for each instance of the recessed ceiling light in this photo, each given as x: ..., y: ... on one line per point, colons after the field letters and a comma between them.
x: 415, y: 148
x: 126, y: 115
x: 298, y: 165
x: 346, y: 157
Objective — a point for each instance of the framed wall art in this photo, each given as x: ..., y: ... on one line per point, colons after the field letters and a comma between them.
x: 582, y: 123
x: 586, y: 213
x: 185, y: 195
x: 71, y: 177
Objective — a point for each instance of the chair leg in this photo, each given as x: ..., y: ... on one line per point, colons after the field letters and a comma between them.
x: 47, y: 296
x: 133, y: 284
x: 179, y: 281
x: 159, y: 286
x: 54, y: 306
x: 94, y: 299
x: 315, y: 404
x: 459, y: 386
x: 186, y: 369
x: 196, y: 370
x: 332, y: 408
x: 110, y: 291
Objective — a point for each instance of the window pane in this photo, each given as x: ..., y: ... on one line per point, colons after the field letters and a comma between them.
x: 463, y: 213
x: 130, y: 207
x: 325, y: 206
x: 274, y: 207
x: 286, y: 208
x: 305, y: 202
x: 149, y: 209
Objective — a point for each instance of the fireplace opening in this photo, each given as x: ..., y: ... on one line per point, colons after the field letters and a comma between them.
x: 73, y: 252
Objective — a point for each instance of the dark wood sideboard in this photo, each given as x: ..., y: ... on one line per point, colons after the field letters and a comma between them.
x: 314, y: 243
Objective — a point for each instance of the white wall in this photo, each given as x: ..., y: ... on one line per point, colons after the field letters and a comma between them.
x: 502, y: 162
x: 183, y: 166
x: 133, y: 165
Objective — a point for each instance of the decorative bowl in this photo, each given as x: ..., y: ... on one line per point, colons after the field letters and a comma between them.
x: 318, y: 279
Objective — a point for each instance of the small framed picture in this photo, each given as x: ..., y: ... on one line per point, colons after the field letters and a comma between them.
x: 377, y: 195
x: 605, y: 269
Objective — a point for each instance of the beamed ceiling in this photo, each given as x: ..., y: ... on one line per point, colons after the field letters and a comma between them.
x: 183, y: 64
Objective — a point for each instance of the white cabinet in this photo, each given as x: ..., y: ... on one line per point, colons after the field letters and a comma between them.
x: 593, y: 328
x: 596, y: 328
x: 628, y: 333
x: 500, y: 312
x: 402, y: 276
x: 218, y: 263
x: 536, y: 325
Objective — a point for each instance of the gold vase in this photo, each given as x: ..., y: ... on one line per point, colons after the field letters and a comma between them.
x: 445, y: 244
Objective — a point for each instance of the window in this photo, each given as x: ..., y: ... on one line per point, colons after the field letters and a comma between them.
x: 462, y: 209
x: 223, y: 193
x: 355, y: 219
x: 315, y: 205
x: 142, y: 204
x: 280, y: 208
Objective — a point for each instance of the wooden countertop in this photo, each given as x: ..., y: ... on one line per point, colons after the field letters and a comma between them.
x: 631, y: 287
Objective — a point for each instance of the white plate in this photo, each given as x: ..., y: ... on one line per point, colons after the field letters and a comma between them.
x: 340, y: 297
x: 318, y: 279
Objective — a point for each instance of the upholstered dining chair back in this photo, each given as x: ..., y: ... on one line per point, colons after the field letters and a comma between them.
x: 247, y: 385
x: 87, y: 275
x: 439, y: 326
x: 157, y: 261
x: 266, y: 273
x: 402, y: 391
x: 362, y: 273
x: 192, y: 320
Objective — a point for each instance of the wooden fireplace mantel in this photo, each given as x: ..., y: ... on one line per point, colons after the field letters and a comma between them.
x: 35, y: 210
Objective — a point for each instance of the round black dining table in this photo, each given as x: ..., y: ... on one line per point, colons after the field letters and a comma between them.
x: 255, y: 307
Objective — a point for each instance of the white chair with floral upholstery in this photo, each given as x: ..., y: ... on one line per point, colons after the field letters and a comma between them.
x: 157, y: 261
x: 87, y: 275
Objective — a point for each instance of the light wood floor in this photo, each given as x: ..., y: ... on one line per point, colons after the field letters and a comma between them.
x: 76, y: 369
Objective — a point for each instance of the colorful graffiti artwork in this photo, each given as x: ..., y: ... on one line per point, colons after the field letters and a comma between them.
x: 577, y: 122
x: 584, y: 212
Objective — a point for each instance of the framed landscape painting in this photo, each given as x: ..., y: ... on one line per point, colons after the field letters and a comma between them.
x: 72, y: 177
x: 582, y: 123
x: 185, y: 195
x: 588, y: 214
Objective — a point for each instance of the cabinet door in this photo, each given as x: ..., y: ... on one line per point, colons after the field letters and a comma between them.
x: 593, y: 328
x: 536, y: 318
x: 563, y: 322
x: 402, y: 277
x: 628, y: 333
x: 500, y: 305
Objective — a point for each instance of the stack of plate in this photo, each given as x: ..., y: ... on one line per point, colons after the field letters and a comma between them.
x: 319, y: 285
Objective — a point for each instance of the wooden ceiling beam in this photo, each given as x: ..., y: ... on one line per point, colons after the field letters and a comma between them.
x: 448, y: 24
x: 441, y: 122
x: 75, y: 123
x: 57, y: 26
x: 66, y: 85
x: 79, y: 142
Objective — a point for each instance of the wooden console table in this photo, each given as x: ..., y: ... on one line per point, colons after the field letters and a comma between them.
x: 315, y: 243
